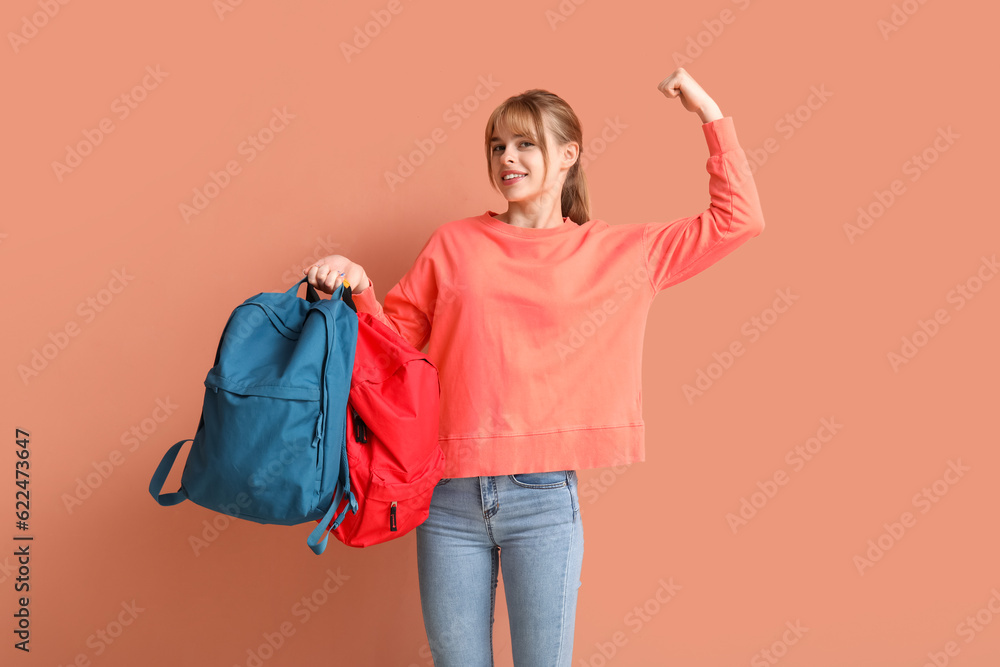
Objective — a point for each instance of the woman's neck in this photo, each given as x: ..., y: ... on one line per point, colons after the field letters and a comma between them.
x: 533, y: 214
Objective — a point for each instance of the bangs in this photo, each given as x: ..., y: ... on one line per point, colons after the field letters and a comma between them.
x: 521, y: 117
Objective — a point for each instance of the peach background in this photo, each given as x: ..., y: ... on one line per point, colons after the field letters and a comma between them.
x: 322, y: 180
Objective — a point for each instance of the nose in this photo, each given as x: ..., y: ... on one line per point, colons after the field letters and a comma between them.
x: 507, y: 157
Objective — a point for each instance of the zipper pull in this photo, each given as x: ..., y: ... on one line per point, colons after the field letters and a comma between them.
x: 360, y: 432
x: 392, y: 517
x: 318, y: 435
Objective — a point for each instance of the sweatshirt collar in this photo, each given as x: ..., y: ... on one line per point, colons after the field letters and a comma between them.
x: 525, y: 232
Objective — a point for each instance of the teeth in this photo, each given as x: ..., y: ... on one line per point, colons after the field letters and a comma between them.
x: 510, y: 176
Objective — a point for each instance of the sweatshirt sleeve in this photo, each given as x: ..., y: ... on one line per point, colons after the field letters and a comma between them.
x: 675, y: 251
x: 408, y: 307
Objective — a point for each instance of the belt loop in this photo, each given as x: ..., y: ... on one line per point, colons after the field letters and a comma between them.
x: 482, y: 493
x: 573, y: 497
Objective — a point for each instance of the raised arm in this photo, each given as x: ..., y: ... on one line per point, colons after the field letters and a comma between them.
x: 679, y: 249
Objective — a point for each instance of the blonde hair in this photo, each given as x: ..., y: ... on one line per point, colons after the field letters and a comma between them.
x: 524, y: 114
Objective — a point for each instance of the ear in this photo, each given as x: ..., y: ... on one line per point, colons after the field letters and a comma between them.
x: 570, y: 153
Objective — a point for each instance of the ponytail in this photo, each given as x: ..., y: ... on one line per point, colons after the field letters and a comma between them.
x: 575, y: 196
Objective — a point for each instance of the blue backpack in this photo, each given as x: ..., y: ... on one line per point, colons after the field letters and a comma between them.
x: 271, y: 445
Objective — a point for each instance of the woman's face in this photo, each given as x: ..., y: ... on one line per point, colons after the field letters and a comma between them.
x: 518, y: 167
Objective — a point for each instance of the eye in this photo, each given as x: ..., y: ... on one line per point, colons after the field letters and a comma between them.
x: 523, y: 144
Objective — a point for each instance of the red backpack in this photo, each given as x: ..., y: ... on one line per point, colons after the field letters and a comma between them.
x: 392, y: 436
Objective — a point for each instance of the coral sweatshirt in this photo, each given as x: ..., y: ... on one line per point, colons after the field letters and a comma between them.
x: 537, y: 333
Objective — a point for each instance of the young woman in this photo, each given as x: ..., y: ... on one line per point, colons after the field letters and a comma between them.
x: 535, y: 319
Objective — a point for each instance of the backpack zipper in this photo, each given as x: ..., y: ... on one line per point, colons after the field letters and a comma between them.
x: 360, y: 430
x: 392, y: 517
x: 318, y: 435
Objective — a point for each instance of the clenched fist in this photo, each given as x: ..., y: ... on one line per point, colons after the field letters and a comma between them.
x: 693, y: 97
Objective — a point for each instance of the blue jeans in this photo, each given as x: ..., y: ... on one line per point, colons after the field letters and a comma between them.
x: 528, y: 524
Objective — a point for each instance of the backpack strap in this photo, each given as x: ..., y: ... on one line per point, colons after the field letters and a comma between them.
x: 321, y: 528
x: 343, y: 292
x: 325, y: 525
x: 160, y: 476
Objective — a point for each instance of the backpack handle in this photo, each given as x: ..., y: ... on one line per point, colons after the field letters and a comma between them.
x: 312, y: 296
x: 160, y: 476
